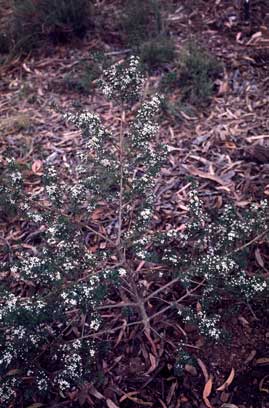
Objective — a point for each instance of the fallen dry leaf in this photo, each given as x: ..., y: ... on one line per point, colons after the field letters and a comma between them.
x: 202, y: 174
x: 207, y: 391
x: 153, y: 363
x: 261, y: 384
x: 266, y: 190
x: 203, y: 368
x: 259, y: 257
x: 228, y: 406
x: 111, y: 404
x: 223, y: 87
x: 128, y: 395
x: 254, y: 38
x: 262, y: 361
x: 37, y: 166
x: 93, y: 391
x: 228, y: 381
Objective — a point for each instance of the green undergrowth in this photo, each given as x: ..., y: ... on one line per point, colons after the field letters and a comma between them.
x: 144, y: 29
x: 35, y: 22
x: 82, y: 78
x: 194, y: 75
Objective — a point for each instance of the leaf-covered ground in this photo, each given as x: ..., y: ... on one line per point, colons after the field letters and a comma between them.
x: 225, y: 146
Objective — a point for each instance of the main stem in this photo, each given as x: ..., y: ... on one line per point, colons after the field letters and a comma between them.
x: 118, y: 241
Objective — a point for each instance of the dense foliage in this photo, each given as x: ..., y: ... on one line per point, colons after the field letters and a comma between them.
x: 33, y: 22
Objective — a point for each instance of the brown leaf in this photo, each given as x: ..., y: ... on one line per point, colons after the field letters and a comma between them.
x: 207, y: 391
x: 230, y: 145
x: 128, y: 395
x: 97, y: 214
x: 14, y: 371
x: 171, y: 393
x: 262, y: 361
x: 223, y: 87
x: 26, y: 68
x: 153, y: 363
x: 203, y: 368
x: 254, y: 38
x: 229, y: 406
x: 261, y: 384
x: 259, y: 258
x: 162, y: 403
x: 228, y: 381
x: 187, y: 116
x: 121, y: 333
x: 37, y: 166
x: 111, y: 404
x: 93, y: 391
x: 202, y: 174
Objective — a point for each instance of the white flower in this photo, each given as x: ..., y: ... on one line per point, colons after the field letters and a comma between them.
x: 146, y: 213
x: 63, y: 384
x: 122, y: 272
x: 95, y: 324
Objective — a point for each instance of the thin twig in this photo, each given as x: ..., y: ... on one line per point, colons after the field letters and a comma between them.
x: 161, y: 289
x: 148, y: 318
x: 189, y: 292
x: 118, y: 305
x: 109, y: 331
x: 98, y: 234
x: 249, y: 243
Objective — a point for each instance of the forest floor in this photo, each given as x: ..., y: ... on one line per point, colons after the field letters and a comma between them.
x: 224, y: 146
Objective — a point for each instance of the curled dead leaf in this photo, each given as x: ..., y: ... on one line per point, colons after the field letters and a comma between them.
x: 228, y: 381
x: 26, y: 68
x: 37, y: 166
x: 262, y: 383
x: 254, y: 38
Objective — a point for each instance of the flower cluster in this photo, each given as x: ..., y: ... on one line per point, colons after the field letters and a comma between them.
x: 123, y: 82
x: 11, y: 185
x: 70, y: 356
x: 207, y: 325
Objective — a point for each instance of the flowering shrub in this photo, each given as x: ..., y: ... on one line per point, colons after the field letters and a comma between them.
x: 52, y: 293
x: 214, y: 250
